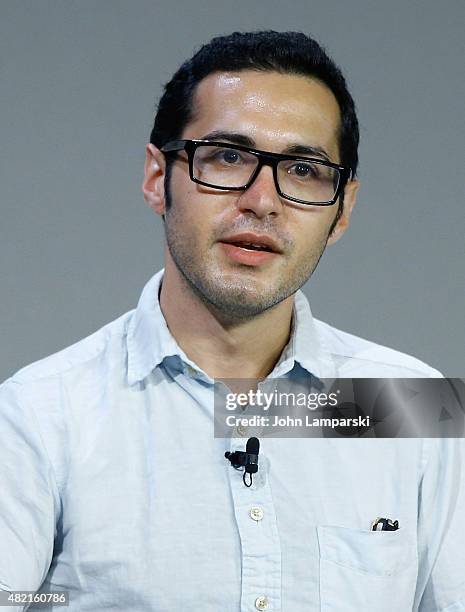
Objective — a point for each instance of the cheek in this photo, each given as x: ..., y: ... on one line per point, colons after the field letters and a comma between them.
x: 310, y: 239
x: 201, y: 213
x: 312, y: 226
x: 188, y: 221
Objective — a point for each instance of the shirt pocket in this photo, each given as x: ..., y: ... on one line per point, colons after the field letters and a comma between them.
x: 362, y: 570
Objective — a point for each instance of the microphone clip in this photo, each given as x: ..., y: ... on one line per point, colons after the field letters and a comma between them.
x: 248, y: 460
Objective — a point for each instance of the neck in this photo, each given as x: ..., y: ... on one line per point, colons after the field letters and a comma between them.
x: 223, y: 349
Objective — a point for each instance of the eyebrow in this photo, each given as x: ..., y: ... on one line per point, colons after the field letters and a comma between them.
x: 246, y: 141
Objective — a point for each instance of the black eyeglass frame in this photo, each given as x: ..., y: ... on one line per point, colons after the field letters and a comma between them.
x: 265, y: 158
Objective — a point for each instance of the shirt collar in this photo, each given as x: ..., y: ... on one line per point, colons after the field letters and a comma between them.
x: 149, y: 340
x: 304, y: 347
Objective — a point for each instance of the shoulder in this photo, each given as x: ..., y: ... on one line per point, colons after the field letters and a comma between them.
x: 54, y: 405
x: 100, y: 344
x: 355, y: 356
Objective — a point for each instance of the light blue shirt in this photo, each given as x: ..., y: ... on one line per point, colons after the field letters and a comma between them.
x: 113, y: 487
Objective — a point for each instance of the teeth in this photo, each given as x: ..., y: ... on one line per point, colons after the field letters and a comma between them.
x: 254, y: 247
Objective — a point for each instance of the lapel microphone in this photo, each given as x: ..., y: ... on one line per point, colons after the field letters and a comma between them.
x: 248, y: 459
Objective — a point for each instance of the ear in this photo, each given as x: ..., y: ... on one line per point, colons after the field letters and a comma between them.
x: 350, y: 197
x: 153, y: 186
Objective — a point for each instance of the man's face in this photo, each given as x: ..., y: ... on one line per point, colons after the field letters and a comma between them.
x: 274, y: 112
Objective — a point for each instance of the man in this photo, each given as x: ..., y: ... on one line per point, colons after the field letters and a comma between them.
x: 113, y: 486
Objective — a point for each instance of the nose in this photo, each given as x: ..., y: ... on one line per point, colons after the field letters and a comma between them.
x: 261, y: 197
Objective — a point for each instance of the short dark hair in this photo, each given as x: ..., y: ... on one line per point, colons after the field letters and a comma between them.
x: 268, y: 51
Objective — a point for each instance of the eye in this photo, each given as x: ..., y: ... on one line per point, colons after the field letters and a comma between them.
x: 229, y: 156
x: 303, y: 170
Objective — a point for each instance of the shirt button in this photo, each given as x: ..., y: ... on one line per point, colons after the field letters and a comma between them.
x: 242, y: 430
x: 261, y: 603
x: 256, y: 514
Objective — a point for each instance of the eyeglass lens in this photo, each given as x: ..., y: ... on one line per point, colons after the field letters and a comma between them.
x: 228, y: 167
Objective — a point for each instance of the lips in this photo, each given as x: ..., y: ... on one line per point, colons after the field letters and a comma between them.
x: 250, y: 249
x: 253, y: 242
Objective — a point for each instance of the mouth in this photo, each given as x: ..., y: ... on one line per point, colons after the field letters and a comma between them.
x: 253, y: 242
x: 250, y: 249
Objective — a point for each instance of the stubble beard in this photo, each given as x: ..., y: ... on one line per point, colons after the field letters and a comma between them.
x: 234, y: 297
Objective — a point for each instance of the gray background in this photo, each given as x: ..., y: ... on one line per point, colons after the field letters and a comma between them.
x: 79, y: 81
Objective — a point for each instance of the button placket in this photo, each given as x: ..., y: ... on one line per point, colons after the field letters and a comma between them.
x: 260, y: 543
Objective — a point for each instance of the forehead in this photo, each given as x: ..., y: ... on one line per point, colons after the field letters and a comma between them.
x: 274, y: 109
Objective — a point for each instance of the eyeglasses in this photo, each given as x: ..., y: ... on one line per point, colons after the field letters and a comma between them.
x: 306, y: 180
